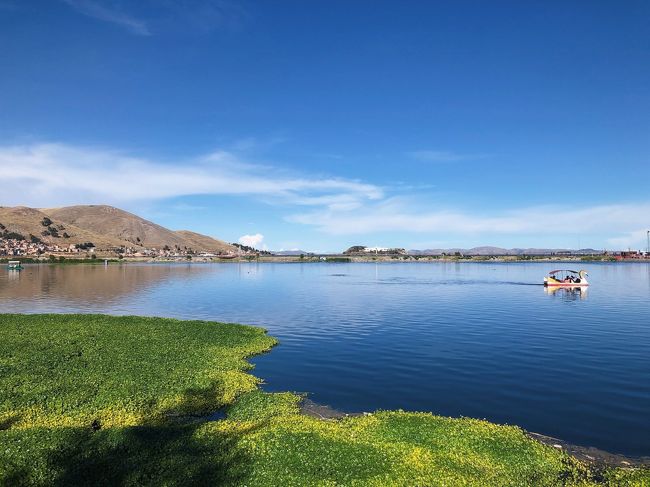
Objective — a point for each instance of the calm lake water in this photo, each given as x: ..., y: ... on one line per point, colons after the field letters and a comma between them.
x: 480, y: 340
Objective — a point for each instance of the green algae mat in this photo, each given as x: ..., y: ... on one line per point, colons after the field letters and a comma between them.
x: 103, y: 400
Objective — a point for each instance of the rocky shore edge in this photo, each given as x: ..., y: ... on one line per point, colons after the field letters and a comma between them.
x: 593, y: 456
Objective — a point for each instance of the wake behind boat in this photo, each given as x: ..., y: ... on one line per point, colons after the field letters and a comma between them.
x: 566, y: 278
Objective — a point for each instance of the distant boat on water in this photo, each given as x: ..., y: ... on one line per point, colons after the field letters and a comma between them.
x: 566, y: 278
x: 14, y: 265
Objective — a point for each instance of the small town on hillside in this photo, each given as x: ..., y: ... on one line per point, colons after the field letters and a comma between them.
x: 36, y: 248
x: 53, y: 241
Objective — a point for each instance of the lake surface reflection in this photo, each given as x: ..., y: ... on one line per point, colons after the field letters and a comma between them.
x: 482, y: 340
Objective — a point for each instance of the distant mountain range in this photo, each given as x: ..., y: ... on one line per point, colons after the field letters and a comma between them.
x: 486, y: 250
x: 104, y: 226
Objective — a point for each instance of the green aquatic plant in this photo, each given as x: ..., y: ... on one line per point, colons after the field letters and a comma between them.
x: 74, y: 369
x: 99, y: 400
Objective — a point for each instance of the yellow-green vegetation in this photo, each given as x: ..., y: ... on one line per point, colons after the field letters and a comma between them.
x: 71, y: 370
x: 98, y: 400
x: 399, y: 448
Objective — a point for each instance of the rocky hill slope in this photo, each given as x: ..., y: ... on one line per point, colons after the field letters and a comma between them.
x: 105, y: 226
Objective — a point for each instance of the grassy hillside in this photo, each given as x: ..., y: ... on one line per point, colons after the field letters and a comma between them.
x: 198, y: 241
x: 105, y: 226
x: 125, y: 226
x: 99, y: 400
x: 29, y: 221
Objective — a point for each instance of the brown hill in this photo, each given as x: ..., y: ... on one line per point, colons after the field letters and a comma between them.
x: 29, y: 221
x: 132, y: 229
x: 116, y: 223
x: 203, y: 242
x: 105, y: 226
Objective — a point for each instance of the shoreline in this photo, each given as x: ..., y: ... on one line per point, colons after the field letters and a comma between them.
x: 327, y: 259
x: 587, y: 454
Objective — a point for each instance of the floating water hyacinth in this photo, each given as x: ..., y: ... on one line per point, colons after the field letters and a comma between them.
x: 93, y: 399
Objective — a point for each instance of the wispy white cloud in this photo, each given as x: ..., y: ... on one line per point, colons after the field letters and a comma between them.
x: 97, y: 10
x: 632, y: 240
x: 399, y: 215
x: 46, y: 174
x: 55, y: 174
x: 190, y: 16
x: 442, y: 156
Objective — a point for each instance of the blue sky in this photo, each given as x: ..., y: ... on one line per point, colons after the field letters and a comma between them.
x: 319, y: 125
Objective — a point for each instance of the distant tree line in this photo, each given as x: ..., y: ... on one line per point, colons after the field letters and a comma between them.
x: 6, y: 234
x: 85, y: 246
x: 355, y: 249
x: 246, y: 248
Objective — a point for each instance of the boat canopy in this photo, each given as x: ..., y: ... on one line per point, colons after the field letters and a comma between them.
x: 563, y: 270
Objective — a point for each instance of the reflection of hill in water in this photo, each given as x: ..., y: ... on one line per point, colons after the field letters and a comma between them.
x: 89, y: 283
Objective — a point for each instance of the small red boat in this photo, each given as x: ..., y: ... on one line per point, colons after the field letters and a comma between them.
x: 566, y: 278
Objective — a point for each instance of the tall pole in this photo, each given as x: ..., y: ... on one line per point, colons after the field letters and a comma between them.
x: 648, y: 247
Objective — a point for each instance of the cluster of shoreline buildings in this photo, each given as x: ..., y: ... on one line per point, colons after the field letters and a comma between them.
x: 14, y: 248
x: 494, y: 252
x: 10, y: 247
x: 360, y: 249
